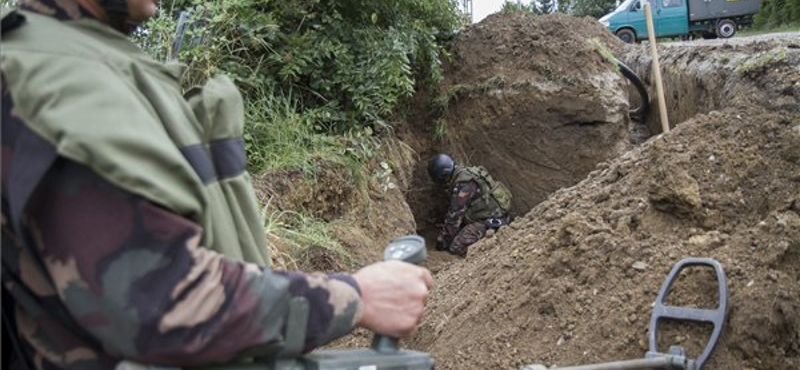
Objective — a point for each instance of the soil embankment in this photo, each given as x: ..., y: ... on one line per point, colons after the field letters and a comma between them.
x: 572, y: 281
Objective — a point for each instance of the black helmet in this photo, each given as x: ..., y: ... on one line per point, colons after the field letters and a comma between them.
x: 440, y: 168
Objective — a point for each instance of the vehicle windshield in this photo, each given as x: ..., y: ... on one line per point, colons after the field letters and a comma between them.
x: 625, y: 5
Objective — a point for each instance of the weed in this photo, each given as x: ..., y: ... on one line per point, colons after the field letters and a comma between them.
x: 302, y: 237
x: 607, y: 54
x: 357, y: 70
x: 753, y: 66
x: 441, y: 103
x: 440, y: 129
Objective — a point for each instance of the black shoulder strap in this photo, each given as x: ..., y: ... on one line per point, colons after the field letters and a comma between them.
x: 11, y: 19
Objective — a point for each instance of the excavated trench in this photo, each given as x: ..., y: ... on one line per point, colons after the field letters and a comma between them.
x: 552, y: 138
x: 512, y: 101
x: 601, y: 214
x: 600, y: 221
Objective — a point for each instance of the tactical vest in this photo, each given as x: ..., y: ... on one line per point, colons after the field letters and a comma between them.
x: 100, y: 101
x: 495, y: 198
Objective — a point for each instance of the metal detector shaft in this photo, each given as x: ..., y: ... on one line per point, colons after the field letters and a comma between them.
x: 661, y: 362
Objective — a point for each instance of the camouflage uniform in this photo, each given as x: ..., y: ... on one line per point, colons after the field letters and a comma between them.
x: 459, y: 232
x: 100, y: 273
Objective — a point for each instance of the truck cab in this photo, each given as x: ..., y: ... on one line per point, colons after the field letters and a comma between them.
x: 683, y: 18
x: 670, y: 18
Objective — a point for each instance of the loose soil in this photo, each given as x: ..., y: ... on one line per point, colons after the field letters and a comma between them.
x: 600, y: 221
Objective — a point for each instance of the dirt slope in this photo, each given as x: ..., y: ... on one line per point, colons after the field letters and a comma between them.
x: 572, y: 281
x: 520, y: 82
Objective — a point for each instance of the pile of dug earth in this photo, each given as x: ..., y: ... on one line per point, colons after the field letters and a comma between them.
x: 600, y: 222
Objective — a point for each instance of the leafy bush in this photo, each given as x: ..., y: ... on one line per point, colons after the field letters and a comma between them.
x: 778, y: 14
x: 353, y: 60
x: 315, y: 76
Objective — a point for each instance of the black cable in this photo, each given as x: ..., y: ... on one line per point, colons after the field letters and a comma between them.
x: 640, y: 112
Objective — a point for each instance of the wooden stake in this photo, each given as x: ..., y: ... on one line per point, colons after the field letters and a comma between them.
x: 651, y: 35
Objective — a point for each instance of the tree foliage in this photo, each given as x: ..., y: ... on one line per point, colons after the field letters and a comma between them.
x: 515, y: 6
x: 348, y: 63
x: 544, y: 6
x: 778, y: 13
x: 591, y: 8
x: 564, y: 6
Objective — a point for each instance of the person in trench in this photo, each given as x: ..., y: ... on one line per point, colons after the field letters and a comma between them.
x: 478, y: 203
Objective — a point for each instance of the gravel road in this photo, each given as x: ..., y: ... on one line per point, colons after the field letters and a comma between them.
x: 789, y: 37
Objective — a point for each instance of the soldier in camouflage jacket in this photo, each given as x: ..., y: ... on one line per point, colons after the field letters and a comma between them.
x: 106, y: 261
x: 478, y: 203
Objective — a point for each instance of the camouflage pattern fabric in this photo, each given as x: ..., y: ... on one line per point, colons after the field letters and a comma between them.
x: 101, y: 274
x: 461, y: 194
x: 457, y: 233
x: 114, y: 276
x: 494, y: 199
x: 467, y: 236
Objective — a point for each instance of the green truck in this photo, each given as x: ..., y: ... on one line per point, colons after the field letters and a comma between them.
x: 681, y: 18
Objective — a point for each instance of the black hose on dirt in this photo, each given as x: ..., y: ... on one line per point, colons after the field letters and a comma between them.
x: 640, y: 112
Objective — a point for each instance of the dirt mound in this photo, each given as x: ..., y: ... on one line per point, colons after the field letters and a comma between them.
x: 531, y: 98
x: 573, y: 281
x: 703, y: 78
x: 519, y: 45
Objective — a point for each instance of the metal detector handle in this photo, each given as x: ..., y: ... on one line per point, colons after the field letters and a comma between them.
x: 716, y: 316
x: 411, y: 249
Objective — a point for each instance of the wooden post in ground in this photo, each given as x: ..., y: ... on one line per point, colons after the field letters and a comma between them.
x: 651, y: 35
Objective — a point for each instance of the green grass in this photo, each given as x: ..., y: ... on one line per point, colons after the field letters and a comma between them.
x: 279, y: 137
x: 303, y: 237
x: 786, y: 28
x: 605, y: 52
x: 757, y: 63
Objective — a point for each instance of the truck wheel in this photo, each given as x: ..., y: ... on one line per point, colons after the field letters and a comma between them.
x: 626, y: 35
x: 726, y: 28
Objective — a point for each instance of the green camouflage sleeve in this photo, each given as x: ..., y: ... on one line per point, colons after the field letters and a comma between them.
x: 135, y: 277
x: 461, y: 195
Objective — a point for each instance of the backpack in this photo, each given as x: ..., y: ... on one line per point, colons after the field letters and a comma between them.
x: 491, y: 187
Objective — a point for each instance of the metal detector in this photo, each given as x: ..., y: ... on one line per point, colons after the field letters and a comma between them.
x: 676, y: 359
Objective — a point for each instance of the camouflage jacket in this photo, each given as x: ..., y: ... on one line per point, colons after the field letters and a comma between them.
x: 101, y: 274
x: 473, y: 198
x: 461, y: 195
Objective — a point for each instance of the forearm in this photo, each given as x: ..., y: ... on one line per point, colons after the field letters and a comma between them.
x: 136, y: 278
x: 452, y: 223
x: 462, y: 194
